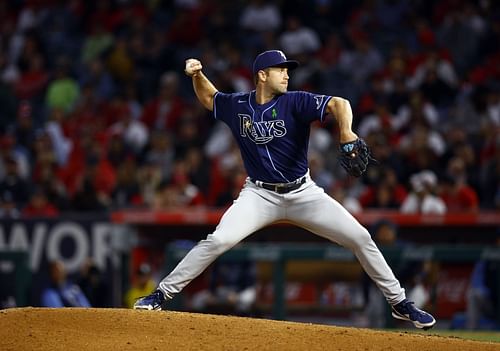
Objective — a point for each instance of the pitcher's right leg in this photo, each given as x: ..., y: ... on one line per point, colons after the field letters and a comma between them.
x: 253, y: 210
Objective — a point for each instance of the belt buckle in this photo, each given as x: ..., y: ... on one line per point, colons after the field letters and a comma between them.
x: 276, y: 187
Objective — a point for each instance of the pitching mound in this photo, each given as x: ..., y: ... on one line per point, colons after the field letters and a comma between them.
x: 119, y: 329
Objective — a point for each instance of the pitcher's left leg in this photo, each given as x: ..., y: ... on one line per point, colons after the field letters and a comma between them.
x: 312, y: 209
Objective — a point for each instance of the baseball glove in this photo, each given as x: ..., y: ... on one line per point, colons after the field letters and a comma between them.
x: 354, y: 157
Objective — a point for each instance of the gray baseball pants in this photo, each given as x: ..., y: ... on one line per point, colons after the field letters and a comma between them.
x: 308, y: 207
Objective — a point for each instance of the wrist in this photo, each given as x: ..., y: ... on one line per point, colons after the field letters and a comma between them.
x: 347, y: 136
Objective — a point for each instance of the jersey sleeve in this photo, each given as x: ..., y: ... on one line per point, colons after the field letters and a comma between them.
x: 310, y: 107
x: 222, y: 102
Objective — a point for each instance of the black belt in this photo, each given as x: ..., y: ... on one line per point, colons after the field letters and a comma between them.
x: 280, y: 188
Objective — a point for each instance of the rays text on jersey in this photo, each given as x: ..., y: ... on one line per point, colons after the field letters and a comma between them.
x: 261, y: 132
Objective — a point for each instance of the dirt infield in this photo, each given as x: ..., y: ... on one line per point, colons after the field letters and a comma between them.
x: 119, y: 329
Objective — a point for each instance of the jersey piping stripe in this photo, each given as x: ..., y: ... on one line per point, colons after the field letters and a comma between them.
x: 249, y: 104
x: 215, y: 110
x: 274, y: 167
x: 324, y: 107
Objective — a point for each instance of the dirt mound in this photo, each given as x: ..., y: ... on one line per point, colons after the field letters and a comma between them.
x: 119, y: 329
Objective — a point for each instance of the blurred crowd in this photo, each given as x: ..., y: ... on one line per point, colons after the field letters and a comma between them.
x: 96, y: 113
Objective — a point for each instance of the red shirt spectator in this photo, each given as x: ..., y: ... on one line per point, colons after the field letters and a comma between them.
x: 459, y: 197
x: 163, y: 111
x: 39, y: 206
x: 455, y: 192
x: 32, y: 82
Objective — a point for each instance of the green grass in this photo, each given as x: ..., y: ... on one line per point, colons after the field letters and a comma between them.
x: 462, y: 334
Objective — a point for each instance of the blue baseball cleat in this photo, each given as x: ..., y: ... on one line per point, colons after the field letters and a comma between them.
x: 407, y: 312
x: 152, y: 302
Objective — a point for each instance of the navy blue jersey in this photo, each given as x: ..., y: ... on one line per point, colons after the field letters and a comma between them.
x: 273, y: 137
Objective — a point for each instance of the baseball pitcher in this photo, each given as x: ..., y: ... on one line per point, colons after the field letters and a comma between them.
x: 271, y: 126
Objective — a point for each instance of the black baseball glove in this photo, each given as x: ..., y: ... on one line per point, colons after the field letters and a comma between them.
x: 354, y: 157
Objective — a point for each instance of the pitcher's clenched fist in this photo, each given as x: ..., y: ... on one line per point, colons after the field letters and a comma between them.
x: 193, y: 66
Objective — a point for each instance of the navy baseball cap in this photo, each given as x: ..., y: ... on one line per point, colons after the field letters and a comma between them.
x: 273, y: 58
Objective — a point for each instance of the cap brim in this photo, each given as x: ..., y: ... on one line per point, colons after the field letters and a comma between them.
x: 290, y: 64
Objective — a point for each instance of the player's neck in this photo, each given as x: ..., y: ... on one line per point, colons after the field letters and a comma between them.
x: 263, y: 96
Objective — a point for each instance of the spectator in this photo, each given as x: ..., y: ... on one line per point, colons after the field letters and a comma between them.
x: 319, y: 173
x: 63, y: 91
x: 490, y: 177
x: 89, y: 197
x: 186, y: 17
x: 117, y: 150
x: 363, y: 60
x: 60, y: 292
x: 10, y: 151
x: 188, y: 193
x: 161, y: 152
x: 93, y: 285
x: 131, y: 97
x: 421, y: 148
x: 166, y: 198
x: 233, y: 72
x: 418, y: 110
x: 8, y: 101
x: 385, y: 192
x: 33, y: 80
x: 150, y: 178
x: 198, y: 168
x: 61, y: 145
x: 481, y: 104
x: 163, y: 111
x: 134, y: 132
x: 436, y: 90
x: 482, y: 295
x: 442, y: 69
x: 320, y: 139
x: 126, y: 191
x: 143, y: 284
x: 381, y: 120
x: 9, y: 74
x: 96, y: 43
x: 188, y: 133
x: 23, y: 130
x: 386, y: 152
x: 14, y: 184
x: 47, y: 178
x: 39, y: 205
x: 456, y: 193
x: 423, y: 198
x: 298, y: 39
x: 119, y: 61
x: 219, y: 140
x: 329, y: 54
x: 221, y: 172
x: 8, y: 207
x: 237, y: 178
x: 461, y: 34
x: 260, y: 16
x: 30, y: 47
x: 97, y: 76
